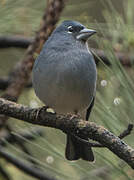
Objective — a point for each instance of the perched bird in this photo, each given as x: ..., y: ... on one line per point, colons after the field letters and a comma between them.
x: 64, y: 78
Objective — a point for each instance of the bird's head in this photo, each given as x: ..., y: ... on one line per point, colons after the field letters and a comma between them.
x: 75, y: 30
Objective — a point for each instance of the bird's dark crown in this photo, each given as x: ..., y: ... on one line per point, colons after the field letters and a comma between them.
x: 73, y: 25
x: 72, y: 31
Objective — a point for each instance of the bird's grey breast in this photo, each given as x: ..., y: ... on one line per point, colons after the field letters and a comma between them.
x: 65, y: 79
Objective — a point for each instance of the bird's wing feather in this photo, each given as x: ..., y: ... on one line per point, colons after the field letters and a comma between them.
x: 89, y: 109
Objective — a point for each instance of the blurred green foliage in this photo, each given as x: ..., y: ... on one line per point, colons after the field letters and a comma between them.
x: 115, y: 86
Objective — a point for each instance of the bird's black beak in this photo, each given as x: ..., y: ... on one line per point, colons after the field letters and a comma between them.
x: 85, y: 33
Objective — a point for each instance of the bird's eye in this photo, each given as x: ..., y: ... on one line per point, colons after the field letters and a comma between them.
x: 70, y: 29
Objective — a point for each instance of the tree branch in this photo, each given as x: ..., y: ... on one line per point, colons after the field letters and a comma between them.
x: 125, y: 133
x: 22, y: 71
x: 125, y: 59
x: 24, y: 42
x: 20, y: 75
x: 15, y: 41
x: 76, y: 126
x: 6, y: 81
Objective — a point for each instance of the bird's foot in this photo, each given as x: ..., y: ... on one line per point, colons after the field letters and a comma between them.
x: 71, y: 116
x: 44, y: 108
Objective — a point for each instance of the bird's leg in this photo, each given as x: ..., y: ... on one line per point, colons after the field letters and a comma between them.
x: 75, y: 115
x: 44, y: 108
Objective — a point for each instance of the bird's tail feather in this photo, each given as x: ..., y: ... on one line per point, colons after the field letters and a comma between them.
x: 76, y: 150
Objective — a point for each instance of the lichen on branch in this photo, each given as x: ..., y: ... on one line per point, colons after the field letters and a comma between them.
x: 40, y: 116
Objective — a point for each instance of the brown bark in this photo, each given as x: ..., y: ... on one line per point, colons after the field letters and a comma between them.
x: 22, y: 71
x: 75, y: 126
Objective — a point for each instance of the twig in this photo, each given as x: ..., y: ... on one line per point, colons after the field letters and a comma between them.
x: 125, y: 133
x: 6, y: 81
x: 15, y: 41
x: 75, y: 126
x: 125, y: 59
x: 22, y: 71
x: 24, y: 42
x: 25, y: 167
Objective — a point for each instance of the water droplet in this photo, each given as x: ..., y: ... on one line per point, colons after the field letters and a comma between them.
x: 117, y: 101
x: 103, y: 83
x: 49, y: 159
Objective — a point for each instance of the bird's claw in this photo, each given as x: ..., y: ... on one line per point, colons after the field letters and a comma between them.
x: 44, y: 108
x: 72, y: 116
